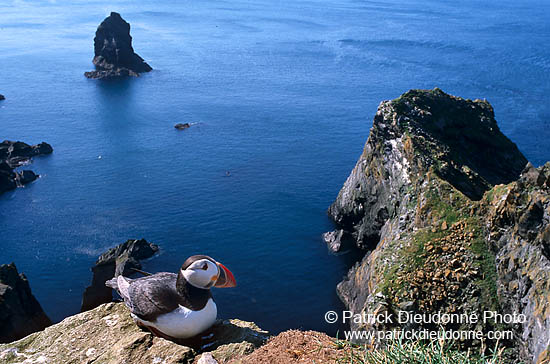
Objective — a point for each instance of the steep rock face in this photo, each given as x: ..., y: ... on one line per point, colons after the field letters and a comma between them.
x: 20, y: 312
x: 414, y: 202
x: 115, y: 261
x: 107, y: 334
x: 114, y: 54
x: 518, y: 230
x: 16, y: 154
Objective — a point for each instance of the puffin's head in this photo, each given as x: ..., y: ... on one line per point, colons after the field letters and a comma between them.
x: 204, y: 272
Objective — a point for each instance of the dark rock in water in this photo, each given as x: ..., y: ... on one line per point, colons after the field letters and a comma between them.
x: 20, y: 312
x: 182, y: 126
x: 2, y: 97
x: 114, y: 54
x: 338, y: 240
x: 25, y: 177
x: 15, y: 154
x: 115, y: 261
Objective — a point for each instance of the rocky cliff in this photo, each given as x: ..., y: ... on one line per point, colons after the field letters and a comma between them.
x: 16, y: 154
x: 114, y: 55
x: 20, y: 312
x: 107, y: 334
x: 418, y: 200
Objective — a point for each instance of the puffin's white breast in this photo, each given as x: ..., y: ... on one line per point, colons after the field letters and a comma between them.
x: 183, y: 322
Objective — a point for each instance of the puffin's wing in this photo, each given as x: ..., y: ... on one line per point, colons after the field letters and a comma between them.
x: 154, y: 295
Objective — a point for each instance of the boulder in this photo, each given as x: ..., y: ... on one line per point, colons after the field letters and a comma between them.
x: 20, y: 312
x: 114, y: 55
x: 121, y: 259
x: 108, y: 335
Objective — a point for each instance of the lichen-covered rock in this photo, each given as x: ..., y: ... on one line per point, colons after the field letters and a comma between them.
x: 107, y: 334
x: 415, y: 200
x: 518, y: 229
x: 114, y: 55
x: 120, y: 260
x: 20, y: 312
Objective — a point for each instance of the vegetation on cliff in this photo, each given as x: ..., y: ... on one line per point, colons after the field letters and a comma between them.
x: 434, y: 167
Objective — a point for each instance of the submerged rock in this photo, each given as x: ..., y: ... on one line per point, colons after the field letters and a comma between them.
x: 417, y: 200
x: 114, y: 54
x: 121, y: 259
x: 108, y: 335
x: 16, y: 154
x: 20, y: 312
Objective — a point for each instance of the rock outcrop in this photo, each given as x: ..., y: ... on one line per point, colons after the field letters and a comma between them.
x: 114, y: 54
x: 20, y: 312
x: 122, y: 259
x: 417, y: 202
x: 16, y: 154
x: 107, y: 334
x: 182, y: 126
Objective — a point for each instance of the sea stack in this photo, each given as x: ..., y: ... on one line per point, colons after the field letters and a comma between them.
x: 114, y: 55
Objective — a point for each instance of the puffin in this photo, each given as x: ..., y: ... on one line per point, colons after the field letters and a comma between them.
x: 175, y: 306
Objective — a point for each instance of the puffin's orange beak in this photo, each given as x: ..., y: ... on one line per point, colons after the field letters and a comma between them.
x: 226, y: 278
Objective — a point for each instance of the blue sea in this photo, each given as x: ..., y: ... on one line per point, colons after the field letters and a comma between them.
x: 281, y: 95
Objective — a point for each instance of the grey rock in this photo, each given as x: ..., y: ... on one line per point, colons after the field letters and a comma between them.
x: 108, y: 335
x: 338, y: 240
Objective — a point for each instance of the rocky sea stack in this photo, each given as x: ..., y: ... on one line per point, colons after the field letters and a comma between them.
x: 16, y: 154
x: 454, y: 220
x: 20, y: 312
x: 114, y: 54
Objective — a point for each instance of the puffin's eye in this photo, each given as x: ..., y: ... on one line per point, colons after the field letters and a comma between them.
x: 205, y: 266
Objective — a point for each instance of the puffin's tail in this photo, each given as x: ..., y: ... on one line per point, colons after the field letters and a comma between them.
x: 120, y: 284
x: 112, y: 283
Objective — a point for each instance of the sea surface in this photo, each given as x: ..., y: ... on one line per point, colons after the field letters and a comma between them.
x: 281, y: 95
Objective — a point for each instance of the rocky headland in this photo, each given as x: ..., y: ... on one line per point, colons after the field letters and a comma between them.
x: 120, y: 260
x: 20, y: 312
x: 452, y: 219
x: 114, y: 55
x: 16, y: 154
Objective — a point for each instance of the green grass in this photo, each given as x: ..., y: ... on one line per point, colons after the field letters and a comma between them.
x: 401, y: 352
